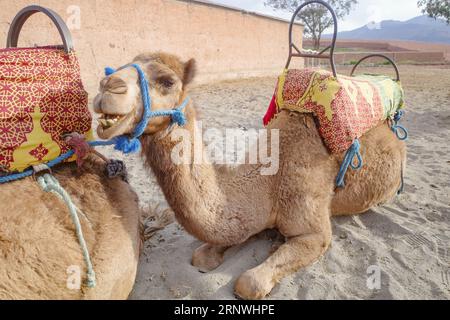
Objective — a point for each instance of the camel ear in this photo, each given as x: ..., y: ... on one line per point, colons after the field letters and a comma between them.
x: 190, y: 69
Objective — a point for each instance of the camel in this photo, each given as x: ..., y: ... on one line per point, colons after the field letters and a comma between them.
x: 222, y: 206
x: 39, y: 251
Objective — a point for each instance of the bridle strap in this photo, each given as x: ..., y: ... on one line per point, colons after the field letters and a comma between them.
x: 131, y: 144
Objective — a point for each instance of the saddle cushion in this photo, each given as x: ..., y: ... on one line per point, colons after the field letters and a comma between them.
x: 41, y: 98
x: 346, y: 107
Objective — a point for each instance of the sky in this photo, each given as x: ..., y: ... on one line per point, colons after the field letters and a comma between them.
x: 366, y: 11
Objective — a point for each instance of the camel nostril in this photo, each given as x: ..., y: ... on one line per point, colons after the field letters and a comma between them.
x: 97, y: 103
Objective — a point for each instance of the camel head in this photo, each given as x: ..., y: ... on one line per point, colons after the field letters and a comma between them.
x: 119, y: 100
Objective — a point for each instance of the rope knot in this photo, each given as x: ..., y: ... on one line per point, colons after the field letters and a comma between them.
x: 109, y: 71
x: 398, y: 115
x: 127, y: 145
x: 178, y: 117
x: 400, y: 131
x: 77, y: 142
x: 91, y: 281
x: 352, y: 153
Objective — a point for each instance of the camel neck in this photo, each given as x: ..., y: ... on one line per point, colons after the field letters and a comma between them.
x: 191, y: 190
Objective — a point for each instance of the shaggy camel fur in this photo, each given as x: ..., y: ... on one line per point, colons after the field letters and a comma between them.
x: 38, y: 242
x: 222, y: 206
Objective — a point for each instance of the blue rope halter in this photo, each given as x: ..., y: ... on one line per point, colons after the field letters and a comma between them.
x: 132, y: 144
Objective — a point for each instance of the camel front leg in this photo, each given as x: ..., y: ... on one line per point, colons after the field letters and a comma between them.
x: 297, y: 252
x: 208, y: 257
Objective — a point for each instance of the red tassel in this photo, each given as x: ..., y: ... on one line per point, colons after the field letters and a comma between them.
x: 270, y: 114
x: 79, y: 145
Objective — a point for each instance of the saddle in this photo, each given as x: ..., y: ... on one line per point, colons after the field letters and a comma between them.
x: 345, y: 107
x: 41, y: 98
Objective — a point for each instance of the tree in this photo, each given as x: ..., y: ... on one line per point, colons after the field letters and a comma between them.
x: 315, y: 17
x: 436, y: 8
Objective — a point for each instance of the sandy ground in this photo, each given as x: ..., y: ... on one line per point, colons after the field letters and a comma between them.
x: 407, y: 239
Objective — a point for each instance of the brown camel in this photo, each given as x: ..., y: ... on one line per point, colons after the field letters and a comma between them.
x: 38, y: 245
x: 223, y: 206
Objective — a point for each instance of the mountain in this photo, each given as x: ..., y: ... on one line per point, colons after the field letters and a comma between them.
x: 421, y: 28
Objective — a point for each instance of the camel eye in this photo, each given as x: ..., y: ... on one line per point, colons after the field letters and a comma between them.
x: 166, y: 82
x: 114, y: 85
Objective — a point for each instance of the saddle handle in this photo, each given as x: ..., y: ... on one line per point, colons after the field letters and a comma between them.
x: 321, y: 54
x: 377, y: 55
x: 25, y: 13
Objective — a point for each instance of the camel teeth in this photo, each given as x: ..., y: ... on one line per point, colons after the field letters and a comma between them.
x: 111, y: 117
x: 111, y: 122
x: 107, y: 121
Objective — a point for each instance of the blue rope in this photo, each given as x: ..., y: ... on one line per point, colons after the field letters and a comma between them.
x: 52, y: 163
x: 402, y: 135
x: 400, y: 131
x: 352, y: 152
x: 132, y: 144
x: 15, y: 176
x: 49, y: 183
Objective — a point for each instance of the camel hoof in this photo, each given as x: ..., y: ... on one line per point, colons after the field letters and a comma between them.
x: 206, y: 258
x: 253, y: 286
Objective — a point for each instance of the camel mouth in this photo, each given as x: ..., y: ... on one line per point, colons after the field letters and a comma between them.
x: 113, y: 125
x: 107, y: 121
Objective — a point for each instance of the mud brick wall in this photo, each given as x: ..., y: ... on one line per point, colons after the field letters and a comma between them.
x: 227, y: 43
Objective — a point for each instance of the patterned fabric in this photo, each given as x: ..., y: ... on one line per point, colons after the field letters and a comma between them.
x: 346, y: 107
x: 41, y: 98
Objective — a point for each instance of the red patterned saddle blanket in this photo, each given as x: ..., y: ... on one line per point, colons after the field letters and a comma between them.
x: 41, y: 98
x: 346, y: 107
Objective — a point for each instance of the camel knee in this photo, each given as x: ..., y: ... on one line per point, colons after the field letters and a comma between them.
x: 296, y: 253
x: 254, y: 284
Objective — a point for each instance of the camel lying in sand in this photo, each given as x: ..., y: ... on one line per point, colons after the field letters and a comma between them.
x: 38, y: 245
x: 223, y: 207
